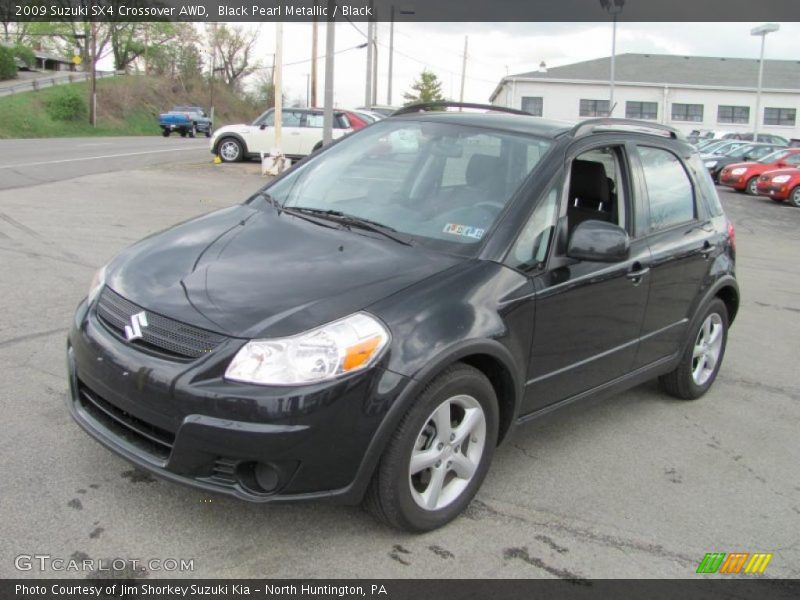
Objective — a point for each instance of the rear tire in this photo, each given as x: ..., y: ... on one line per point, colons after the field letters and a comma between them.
x: 208, y: 131
x: 439, y: 455
x: 316, y: 147
x: 183, y: 133
x: 702, y: 359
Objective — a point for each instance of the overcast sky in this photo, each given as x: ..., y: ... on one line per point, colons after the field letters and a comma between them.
x: 497, y: 49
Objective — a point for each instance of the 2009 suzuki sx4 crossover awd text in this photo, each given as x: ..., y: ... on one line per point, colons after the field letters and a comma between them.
x: 371, y: 324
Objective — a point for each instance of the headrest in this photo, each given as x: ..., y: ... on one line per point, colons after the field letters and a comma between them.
x: 483, y: 170
x: 588, y: 182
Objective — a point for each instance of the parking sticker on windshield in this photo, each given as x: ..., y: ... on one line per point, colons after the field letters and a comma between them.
x: 464, y: 230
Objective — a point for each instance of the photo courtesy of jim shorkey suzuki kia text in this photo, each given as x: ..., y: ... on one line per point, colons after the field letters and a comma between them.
x: 143, y: 590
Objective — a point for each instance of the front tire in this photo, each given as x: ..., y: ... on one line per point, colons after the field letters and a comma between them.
x: 794, y: 197
x: 230, y: 150
x: 193, y: 131
x: 752, y: 186
x: 439, y: 455
x: 165, y: 132
x: 702, y: 359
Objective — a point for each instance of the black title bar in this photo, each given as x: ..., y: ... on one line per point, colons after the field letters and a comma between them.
x: 400, y: 10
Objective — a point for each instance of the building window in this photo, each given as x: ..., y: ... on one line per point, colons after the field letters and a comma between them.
x: 594, y: 108
x: 687, y: 112
x: 733, y: 114
x: 780, y: 116
x: 533, y: 105
x: 641, y: 110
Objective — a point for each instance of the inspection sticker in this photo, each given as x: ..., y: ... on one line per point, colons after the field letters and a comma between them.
x: 464, y: 230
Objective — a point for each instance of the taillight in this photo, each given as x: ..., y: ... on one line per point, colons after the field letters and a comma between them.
x: 731, y: 236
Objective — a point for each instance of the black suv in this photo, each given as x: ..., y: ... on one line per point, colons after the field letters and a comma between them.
x: 373, y: 322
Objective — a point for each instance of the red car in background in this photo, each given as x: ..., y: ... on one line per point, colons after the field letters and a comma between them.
x: 781, y: 185
x: 743, y: 177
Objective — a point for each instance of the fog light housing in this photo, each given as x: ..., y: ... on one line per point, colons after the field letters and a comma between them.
x: 259, y: 478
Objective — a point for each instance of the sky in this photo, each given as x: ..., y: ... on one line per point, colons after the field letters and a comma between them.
x: 496, y: 49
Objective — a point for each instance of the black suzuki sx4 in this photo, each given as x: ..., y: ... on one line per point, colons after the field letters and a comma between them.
x: 371, y: 324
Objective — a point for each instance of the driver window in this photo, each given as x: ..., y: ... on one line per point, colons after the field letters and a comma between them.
x: 530, y: 249
x: 595, y: 188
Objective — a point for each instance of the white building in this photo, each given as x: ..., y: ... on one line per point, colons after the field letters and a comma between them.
x: 686, y: 92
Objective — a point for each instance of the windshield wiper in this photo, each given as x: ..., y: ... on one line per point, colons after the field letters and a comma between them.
x: 353, y: 221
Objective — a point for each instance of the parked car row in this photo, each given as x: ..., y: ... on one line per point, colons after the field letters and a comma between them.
x: 700, y: 135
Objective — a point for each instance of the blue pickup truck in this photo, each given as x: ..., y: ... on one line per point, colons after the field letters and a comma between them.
x: 186, y: 120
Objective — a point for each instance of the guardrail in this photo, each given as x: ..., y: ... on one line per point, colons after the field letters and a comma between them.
x: 43, y: 82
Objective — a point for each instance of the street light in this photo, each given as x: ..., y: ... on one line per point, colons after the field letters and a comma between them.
x: 404, y: 10
x: 613, y: 7
x: 761, y: 30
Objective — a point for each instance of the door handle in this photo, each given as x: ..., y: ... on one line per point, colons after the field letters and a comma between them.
x: 707, y: 249
x: 637, y: 272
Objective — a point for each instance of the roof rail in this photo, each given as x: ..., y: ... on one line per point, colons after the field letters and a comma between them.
x: 427, y: 106
x: 612, y: 124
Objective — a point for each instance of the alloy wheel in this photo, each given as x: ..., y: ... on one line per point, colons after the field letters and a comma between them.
x: 795, y: 197
x: 447, y: 452
x: 707, y: 348
x: 229, y: 150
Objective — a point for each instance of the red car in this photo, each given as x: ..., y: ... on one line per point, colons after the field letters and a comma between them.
x: 743, y: 177
x: 781, y: 185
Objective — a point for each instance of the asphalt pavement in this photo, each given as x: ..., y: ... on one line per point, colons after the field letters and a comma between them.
x: 639, y: 485
x: 35, y: 161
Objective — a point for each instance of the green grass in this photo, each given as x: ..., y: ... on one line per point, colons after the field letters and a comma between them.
x: 24, y: 115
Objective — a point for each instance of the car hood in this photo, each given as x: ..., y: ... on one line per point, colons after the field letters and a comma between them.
x: 241, y: 128
x: 248, y: 272
x: 747, y: 165
x: 795, y: 172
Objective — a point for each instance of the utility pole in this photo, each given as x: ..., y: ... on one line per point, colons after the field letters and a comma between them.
x: 313, y: 94
x: 374, y: 65
x: 391, y: 58
x: 464, y: 68
x: 368, y: 86
x: 278, y: 84
x: 762, y: 30
x: 93, y: 104
x: 330, y: 48
x: 213, y: 71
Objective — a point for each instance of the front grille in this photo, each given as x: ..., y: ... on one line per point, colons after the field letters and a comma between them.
x: 162, y: 335
x: 149, y: 438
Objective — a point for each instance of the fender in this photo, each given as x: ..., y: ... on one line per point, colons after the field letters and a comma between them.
x: 416, y: 384
x: 722, y: 282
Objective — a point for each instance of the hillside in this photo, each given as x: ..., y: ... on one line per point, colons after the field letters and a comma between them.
x: 126, y: 105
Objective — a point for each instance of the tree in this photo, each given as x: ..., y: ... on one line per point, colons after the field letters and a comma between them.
x: 427, y: 88
x: 8, y: 67
x: 235, y: 50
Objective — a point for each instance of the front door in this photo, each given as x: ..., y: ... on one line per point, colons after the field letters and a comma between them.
x: 588, y: 314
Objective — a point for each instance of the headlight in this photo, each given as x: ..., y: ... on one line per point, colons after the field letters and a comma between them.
x: 98, y: 281
x: 781, y: 179
x: 710, y: 164
x: 344, y: 346
x: 738, y: 171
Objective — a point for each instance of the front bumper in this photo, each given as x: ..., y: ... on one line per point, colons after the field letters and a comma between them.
x: 183, y: 422
x: 777, y: 191
x: 736, y: 182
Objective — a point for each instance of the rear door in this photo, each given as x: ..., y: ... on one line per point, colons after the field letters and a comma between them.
x: 682, y: 241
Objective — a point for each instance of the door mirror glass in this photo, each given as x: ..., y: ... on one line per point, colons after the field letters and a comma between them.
x: 262, y: 126
x: 599, y: 241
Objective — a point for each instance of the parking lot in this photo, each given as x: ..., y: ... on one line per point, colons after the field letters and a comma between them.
x: 639, y: 485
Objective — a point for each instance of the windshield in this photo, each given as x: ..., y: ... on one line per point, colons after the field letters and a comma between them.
x: 440, y: 184
x: 773, y: 157
x: 742, y: 151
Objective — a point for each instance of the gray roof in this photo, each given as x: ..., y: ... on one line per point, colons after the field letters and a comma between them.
x: 675, y: 70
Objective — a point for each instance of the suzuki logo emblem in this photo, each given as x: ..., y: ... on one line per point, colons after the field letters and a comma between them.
x: 134, y: 330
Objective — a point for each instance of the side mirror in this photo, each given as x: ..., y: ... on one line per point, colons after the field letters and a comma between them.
x: 599, y: 241
x: 263, y: 126
x: 746, y: 158
x: 781, y: 164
